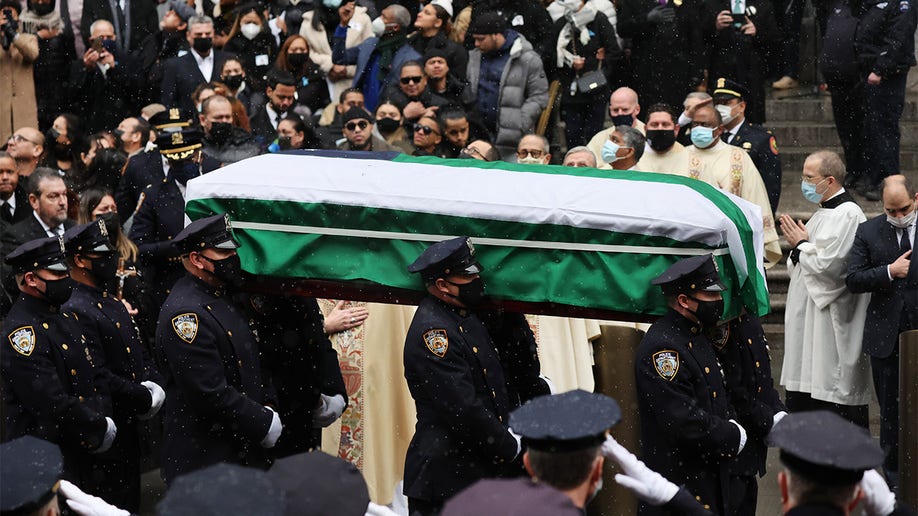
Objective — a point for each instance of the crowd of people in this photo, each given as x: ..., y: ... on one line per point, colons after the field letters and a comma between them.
x: 121, y: 313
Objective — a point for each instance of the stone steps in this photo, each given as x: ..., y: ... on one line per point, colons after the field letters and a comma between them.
x: 803, y: 107
x: 823, y: 134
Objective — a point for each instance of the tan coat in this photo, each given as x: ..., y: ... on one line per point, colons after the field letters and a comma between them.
x: 320, y: 52
x: 17, y: 87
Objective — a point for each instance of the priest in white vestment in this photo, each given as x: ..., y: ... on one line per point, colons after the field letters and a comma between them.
x: 824, y: 367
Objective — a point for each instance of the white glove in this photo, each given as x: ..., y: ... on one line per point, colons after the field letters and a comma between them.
x: 86, y: 504
x: 379, y: 510
x: 519, y: 442
x: 330, y: 409
x: 778, y: 417
x: 274, y: 431
x: 878, y: 499
x: 110, y: 432
x: 742, y: 436
x: 684, y: 120
x: 643, y: 482
x: 158, y: 396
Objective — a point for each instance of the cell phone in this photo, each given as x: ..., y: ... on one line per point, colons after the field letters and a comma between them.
x: 97, y: 45
x: 738, y: 20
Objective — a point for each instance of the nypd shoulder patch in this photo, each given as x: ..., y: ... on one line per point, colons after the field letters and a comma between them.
x: 666, y: 363
x: 186, y: 326
x: 437, y: 342
x: 23, y: 340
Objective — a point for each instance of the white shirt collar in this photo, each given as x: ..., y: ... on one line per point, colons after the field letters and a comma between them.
x: 46, y: 227
x: 11, y: 201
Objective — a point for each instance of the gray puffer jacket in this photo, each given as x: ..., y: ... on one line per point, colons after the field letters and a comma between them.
x: 523, y: 92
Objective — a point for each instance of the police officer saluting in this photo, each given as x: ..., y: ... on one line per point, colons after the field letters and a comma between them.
x: 215, y: 396
x: 687, y: 427
x: 49, y: 387
x: 457, y: 382
x: 118, y: 353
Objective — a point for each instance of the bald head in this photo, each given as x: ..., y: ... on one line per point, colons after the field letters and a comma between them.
x: 101, y: 28
x: 899, y: 197
x: 624, y: 101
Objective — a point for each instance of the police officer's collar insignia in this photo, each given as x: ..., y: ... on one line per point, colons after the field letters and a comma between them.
x: 666, y: 363
x: 747, y: 145
x: 437, y: 342
x: 23, y: 340
x: 186, y: 326
x: 720, y: 336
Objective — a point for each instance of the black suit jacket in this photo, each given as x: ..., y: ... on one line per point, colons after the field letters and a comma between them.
x: 262, y: 129
x: 159, y: 217
x: 181, y: 76
x: 23, y: 208
x: 875, y: 247
x: 143, y: 17
x: 142, y: 171
x: 762, y: 147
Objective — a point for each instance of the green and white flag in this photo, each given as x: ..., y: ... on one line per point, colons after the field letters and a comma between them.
x: 545, y: 234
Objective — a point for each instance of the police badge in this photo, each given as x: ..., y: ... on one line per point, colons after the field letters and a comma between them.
x: 186, y: 326
x: 666, y: 363
x: 23, y: 340
x: 437, y: 342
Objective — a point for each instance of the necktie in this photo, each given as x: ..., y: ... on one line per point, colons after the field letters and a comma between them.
x: 904, y: 244
x: 7, y: 212
x: 737, y: 6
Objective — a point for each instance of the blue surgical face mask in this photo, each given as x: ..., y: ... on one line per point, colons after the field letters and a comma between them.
x: 809, y: 191
x: 610, y: 152
x: 702, y: 137
x: 331, y: 4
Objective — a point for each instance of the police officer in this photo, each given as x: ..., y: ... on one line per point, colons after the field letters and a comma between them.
x: 730, y: 101
x: 688, y: 430
x: 457, y: 382
x: 30, y: 474
x: 119, y: 355
x: 49, y: 378
x: 885, y: 47
x: 828, y: 467
x: 216, y: 399
x: 742, y: 349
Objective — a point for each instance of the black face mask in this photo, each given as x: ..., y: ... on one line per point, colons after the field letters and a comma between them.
x: 203, y: 45
x: 661, y: 139
x: 471, y: 294
x: 709, y: 312
x: 220, y: 132
x: 104, y: 269
x: 228, y: 271
x: 388, y: 125
x: 183, y: 171
x: 57, y: 292
x: 284, y: 142
x: 41, y: 9
x: 618, y: 120
x: 233, y: 81
x: 297, y: 60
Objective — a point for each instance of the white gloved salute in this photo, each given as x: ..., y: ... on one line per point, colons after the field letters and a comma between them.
x: 742, y: 436
x: 157, y: 395
x: 86, y: 504
x: 519, y: 442
x: 778, y: 417
x: 643, y: 482
x: 878, y: 499
x: 110, y: 432
x: 274, y: 431
x: 329, y: 410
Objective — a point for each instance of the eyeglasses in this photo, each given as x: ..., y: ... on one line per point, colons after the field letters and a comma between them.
x: 18, y: 138
x: 425, y: 129
x: 353, y: 126
x: 813, y: 180
x: 416, y: 79
x: 535, y: 153
x: 472, y: 151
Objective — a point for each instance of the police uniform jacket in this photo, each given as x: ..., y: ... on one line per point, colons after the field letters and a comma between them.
x: 743, y: 352
x: 49, y: 383
x: 215, y: 397
x: 684, y: 409
x: 762, y: 147
x: 159, y: 217
x: 519, y: 355
x: 884, y: 41
x: 456, y: 380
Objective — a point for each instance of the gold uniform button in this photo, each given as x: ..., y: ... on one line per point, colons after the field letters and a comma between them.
x: 485, y: 371
x: 759, y: 389
x: 690, y: 345
x: 698, y: 498
x: 99, y: 305
x: 757, y: 365
x: 707, y: 370
x: 500, y: 418
x: 240, y: 363
x: 118, y: 325
x: 73, y: 372
x: 44, y: 325
x: 65, y: 347
x: 475, y: 349
x: 229, y: 333
x: 714, y: 394
x: 133, y: 376
x: 749, y: 341
x: 81, y: 399
x: 493, y: 393
x: 128, y: 349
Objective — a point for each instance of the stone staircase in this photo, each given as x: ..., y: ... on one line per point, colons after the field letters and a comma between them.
x: 802, y: 123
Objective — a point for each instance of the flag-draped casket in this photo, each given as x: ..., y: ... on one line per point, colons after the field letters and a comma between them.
x: 555, y: 240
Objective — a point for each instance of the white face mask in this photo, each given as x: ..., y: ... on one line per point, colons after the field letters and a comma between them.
x: 379, y: 26
x: 904, y: 221
x: 726, y: 113
x: 529, y: 160
x: 250, y: 30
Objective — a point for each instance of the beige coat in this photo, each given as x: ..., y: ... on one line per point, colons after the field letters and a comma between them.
x: 17, y: 87
x: 320, y: 52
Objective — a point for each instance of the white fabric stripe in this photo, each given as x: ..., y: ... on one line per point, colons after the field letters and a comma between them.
x: 653, y: 209
x: 502, y: 242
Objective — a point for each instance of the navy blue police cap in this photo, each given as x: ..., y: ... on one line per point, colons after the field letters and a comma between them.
x: 698, y: 273
x: 726, y: 89
x: 319, y: 484
x: 222, y: 489
x: 180, y: 144
x: 825, y: 448
x: 30, y: 474
x: 172, y: 119
x: 91, y: 237
x: 571, y: 421
x: 41, y: 253
x: 214, y: 231
x: 511, y: 497
x: 455, y: 256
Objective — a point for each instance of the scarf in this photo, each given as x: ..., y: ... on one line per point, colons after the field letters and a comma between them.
x: 386, y: 48
x: 577, y: 21
x: 31, y: 23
